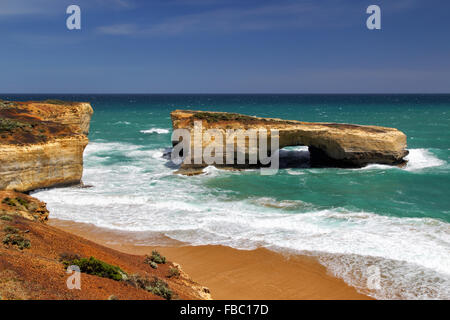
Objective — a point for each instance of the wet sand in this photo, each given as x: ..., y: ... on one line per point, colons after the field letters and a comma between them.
x: 229, y: 273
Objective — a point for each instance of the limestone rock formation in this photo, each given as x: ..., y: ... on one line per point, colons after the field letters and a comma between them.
x: 42, y: 143
x: 330, y: 144
x: 18, y: 204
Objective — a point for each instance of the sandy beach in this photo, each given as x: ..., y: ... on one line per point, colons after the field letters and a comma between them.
x: 229, y: 273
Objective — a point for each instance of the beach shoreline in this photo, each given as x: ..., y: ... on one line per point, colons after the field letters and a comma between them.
x: 229, y: 273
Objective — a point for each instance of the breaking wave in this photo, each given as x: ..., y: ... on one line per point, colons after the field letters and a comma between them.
x: 155, y: 130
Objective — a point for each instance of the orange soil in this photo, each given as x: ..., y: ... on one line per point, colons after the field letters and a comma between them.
x: 37, y: 273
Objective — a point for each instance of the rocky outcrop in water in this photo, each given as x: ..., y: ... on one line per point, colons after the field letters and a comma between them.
x: 42, y: 143
x: 330, y: 144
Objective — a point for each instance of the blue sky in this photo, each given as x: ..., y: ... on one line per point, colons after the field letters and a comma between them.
x: 224, y: 46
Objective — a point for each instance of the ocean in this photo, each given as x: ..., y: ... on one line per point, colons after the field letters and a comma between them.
x: 394, y: 219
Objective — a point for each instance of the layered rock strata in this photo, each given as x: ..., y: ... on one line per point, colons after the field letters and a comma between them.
x: 330, y: 144
x: 42, y: 144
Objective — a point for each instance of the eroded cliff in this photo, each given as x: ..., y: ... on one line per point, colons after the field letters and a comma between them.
x: 330, y: 144
x: 42, y: 143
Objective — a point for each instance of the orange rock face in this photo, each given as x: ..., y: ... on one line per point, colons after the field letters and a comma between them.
x: 42, y: 144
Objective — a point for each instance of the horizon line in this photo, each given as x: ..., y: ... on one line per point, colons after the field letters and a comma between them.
x: 226, y: 93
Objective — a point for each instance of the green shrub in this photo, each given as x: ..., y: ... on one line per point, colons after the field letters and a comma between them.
x: 16, y: 202
x: 9, y: 202
x: 11, y: 125
x: 9, y: 229
x: 55, y: 101
x: 153, y: 265
x: 222, y: 116
x: 173, y: 272
x: 23, y: 202
x: 97, y: 267
x: 6, y: 104
x: 156, y: 257
x: 155, y: 285
x: 5, y: 218
x: 160, y: 288
x: 17, y: 240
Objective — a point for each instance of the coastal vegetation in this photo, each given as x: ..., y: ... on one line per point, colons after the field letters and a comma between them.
x: 153, y: 285
x: 6, y: 104
x: 173, y: 273
x: 14, y: 238
x: 16, y: 202
x: 156, y: 257
x: 17, y: 240
x: 55, y: 101
x: 9, y: 229
x: 9, y: 125
x: 95, y: 267
x: 221, y: 116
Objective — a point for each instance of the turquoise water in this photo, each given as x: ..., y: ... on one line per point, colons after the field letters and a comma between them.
x: 395, y: 219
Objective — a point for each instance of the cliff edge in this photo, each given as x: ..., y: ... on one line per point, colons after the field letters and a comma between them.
x: 42, y: 143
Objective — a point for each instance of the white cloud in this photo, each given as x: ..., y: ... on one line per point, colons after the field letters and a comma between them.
x: 223, y: 20
x: 234, y: 17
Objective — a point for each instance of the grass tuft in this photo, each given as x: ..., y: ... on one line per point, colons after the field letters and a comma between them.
x: 9, y: 229
x: 8, y: 125
x: 154, y: 285
x: 6, y: 104
x: 222, y: 116
x: 55, y: 101
x: 156, y: 257
x: 17, y: 240
x: 16, y: 202
x: 173, y: 273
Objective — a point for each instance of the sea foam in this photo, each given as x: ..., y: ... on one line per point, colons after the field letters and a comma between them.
x: 155, y: 130
x: 419, y: 159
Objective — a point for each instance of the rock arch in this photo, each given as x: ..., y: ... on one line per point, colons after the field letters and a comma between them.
x: 330, y: 144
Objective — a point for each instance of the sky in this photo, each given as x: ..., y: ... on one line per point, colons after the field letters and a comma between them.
x: 224, y: 46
